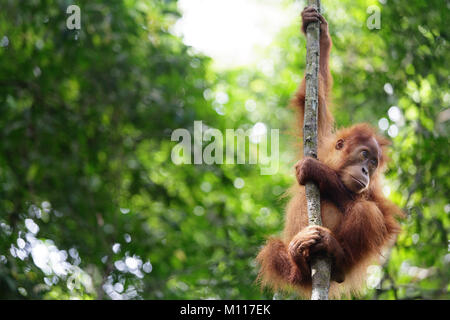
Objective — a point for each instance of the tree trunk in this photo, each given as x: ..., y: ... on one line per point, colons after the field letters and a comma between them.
x: 320, y: 265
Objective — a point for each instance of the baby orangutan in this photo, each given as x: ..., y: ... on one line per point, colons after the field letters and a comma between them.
x: 358, y: 221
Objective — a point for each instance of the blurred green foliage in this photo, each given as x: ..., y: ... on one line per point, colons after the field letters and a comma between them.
x: 91, y: 205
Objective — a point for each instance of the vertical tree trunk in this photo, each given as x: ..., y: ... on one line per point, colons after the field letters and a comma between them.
x: 320, y: 266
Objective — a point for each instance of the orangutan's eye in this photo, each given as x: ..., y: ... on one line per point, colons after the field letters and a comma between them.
x: 365, y: 154
x: 374, y: 162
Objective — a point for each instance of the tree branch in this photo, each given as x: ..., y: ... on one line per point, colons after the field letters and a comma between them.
x: 320, y: 265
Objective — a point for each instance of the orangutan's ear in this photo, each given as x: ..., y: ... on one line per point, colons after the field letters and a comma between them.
x: 339, y: 144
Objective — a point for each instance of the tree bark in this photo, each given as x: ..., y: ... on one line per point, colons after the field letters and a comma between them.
x: 320, y: 265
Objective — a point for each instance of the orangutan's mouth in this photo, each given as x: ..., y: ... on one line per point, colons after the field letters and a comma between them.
x: 361, y: 184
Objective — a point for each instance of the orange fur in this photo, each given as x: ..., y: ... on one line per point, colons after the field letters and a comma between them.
x: 354, y: 231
